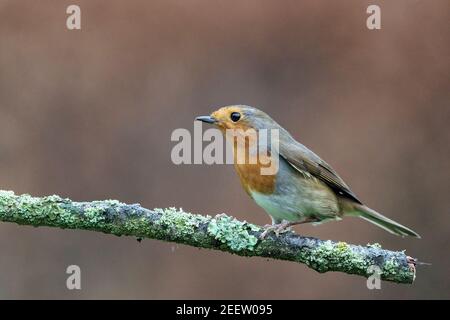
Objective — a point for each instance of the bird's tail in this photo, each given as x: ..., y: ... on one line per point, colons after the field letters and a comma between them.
x: 359, y: 210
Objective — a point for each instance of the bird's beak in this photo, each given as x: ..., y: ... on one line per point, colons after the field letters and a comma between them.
x: 207, y: 119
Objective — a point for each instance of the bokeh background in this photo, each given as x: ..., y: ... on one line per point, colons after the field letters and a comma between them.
x: 88, y: 115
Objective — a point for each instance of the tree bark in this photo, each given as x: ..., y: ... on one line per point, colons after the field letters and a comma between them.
x: 219, y: 233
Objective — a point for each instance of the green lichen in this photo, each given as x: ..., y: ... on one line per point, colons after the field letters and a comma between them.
x: 390, y: 268
x: 334, y: 256
x: 342, y: 246
x: 233, y: 233
x: 94, y: 214
x: 53, y: 211
x: 374, y: 245
x: 30, y: 210
x: 97, y: 210
x: 181, y: 223
x: 6, y: 200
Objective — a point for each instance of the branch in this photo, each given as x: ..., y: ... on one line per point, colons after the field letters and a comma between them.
x: 220, y: 233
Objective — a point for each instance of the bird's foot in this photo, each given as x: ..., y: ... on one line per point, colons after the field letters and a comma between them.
x: 276, y: 228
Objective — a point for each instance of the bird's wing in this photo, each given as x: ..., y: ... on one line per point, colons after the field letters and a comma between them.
x: 303, y: 159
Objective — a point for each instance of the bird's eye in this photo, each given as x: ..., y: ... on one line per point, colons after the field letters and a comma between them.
x: 235, y: 116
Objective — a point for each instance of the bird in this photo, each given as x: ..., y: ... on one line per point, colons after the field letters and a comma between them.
x: 303, y: 189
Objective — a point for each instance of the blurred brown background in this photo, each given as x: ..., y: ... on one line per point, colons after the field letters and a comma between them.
x: 88, y: 115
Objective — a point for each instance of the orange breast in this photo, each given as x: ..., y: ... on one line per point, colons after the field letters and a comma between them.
x: 252, y: 180
x: 250, y: 174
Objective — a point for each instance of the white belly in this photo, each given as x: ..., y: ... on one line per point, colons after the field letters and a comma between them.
x: 279, y: 208
x: 297, y: 197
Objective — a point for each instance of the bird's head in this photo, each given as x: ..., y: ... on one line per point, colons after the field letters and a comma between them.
x: 239, y: 117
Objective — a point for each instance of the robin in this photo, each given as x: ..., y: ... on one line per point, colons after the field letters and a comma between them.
x: 304, y: 189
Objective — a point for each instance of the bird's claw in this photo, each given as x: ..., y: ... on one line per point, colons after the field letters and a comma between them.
x: 276, y: 228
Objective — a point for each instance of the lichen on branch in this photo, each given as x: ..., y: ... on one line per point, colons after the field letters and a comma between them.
x: 221, y: 232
